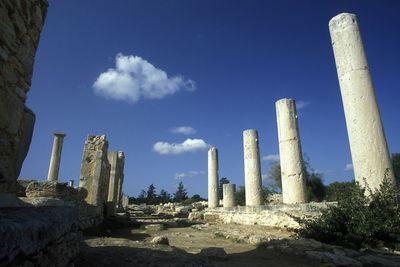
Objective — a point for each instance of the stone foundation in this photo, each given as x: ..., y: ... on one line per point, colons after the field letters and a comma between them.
x: 273, y: 216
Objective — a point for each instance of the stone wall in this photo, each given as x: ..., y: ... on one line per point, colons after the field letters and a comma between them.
x: 274, y: 215
x: 95, y: 173
x: 42, y: 236
x: 21, y: 22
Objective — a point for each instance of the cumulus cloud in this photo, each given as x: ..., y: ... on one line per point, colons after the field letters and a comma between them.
x: 184, y: 130
x: 134, y: 78
x: 188, y: 174
x: 189, y: 145
x: 349, y: 167
x: 273, y: 157
x: 301, y: 104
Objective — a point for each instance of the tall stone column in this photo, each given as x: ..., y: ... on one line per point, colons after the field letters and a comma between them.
x: 369, y: 151
x: 252, y: 168
x: 213, y: 177
x: 292, y: 173
x: 229, y: 195
x: 55, y: 157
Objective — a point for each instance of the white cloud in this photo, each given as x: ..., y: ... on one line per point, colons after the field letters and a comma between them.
x: 301, y: 104
x: 189, y: 145
x: 349, y: 167
x: 273, y: 157
x: 188, y: 174
x: 184, y: 130
x: 134, y: 78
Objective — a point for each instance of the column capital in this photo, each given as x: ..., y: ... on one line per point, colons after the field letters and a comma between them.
x: 59, y: 134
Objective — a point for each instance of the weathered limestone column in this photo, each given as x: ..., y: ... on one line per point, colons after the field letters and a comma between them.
x: 55, y: 157
x: 213, y: 177
x: 71, y: 183
x: 252, y: 168
x: 121, y: 164
x: 229, y: 195
x: 292, y: 173
x: 369, y: 151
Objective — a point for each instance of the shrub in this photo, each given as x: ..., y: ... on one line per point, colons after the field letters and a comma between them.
x: 358, y: 221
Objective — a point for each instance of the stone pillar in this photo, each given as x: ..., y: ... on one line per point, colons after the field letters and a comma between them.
x: 71, y: 183
x: 116, y: 173
x: 229, y: 195
x: 55, y: 157
x: 95, y: 171
x: 252, y: 168
x: 369, y: 151
x: 213, y: 177
x: 121, y: 164
x: 292, y: 173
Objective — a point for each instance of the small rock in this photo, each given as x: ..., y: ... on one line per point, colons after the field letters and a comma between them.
x: 162, y: 240
x: 214, y: 253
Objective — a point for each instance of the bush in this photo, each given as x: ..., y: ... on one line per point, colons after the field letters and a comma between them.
x: 358, y: 221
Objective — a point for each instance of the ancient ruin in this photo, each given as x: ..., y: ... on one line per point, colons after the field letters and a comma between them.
x: 252, y: 168
x: 213, y: 177
x: 95, y: 172
x: 116, y: 174
x: 121, y: 164
x: 369, y: 151
x: 292, y: 173
x: 19, y: 34
x: 55, y: 157
x: 228, y: 192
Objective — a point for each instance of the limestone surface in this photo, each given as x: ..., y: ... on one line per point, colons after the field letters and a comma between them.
x: 291, y: 160
x: 20, y: 25
x: 213, y: 177
x: 43, y: 236
x: 369, y: 151
x: 95, y: 170
x: 252, y: 168
x: 228, y: 192
x: 55, y: 158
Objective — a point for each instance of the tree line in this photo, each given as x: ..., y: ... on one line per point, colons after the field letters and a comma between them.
x: 150, y: 196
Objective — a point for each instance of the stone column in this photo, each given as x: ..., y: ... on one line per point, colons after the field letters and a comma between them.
x: 229, y: 195
x: 369, y: 151
x: 252, y: 168
x: 55, y: 157
x: 292, y: 173
x: 71, y: 183
x: 213, y: 177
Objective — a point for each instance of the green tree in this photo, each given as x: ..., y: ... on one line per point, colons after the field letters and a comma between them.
x: 334, y: 190
x: 222, y: 181
x: 396, y: 166
x: 274, y: 179
x: 314, y: 185
x: 151, y: 197
x: 164, y: 196
x: 240, y: 196
x: 180, y: 194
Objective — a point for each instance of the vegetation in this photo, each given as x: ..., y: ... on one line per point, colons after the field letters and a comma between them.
x: 396, y: 166
x: 314, y: 186
x: 219, y: 235
x: 240, y: 195
x: 180, y: 194
x: 358, y: 221
x: 151, y: 198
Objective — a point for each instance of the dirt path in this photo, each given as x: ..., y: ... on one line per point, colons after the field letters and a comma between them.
x: 131, y: 246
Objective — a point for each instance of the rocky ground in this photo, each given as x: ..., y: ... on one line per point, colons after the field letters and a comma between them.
x: 164, y: 240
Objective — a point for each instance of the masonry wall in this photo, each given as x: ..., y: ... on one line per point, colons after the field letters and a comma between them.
x: 21, y: 22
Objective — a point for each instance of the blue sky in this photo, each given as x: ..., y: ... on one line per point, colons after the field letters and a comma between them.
x: 136, y: 71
